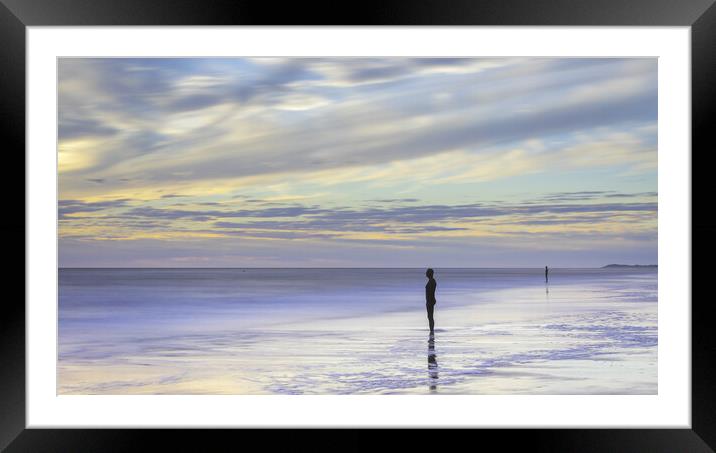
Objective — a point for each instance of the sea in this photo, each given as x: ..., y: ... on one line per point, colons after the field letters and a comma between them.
x: 345, y: 331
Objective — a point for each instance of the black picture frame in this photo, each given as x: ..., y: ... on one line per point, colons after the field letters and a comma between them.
x: 700, y: 15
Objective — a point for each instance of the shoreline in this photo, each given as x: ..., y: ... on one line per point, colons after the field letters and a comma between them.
x: 577, y: 337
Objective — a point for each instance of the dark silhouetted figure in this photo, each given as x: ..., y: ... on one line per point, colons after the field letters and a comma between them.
x: 430, y: 297
x: 432, y: 363
x: 546, y: 274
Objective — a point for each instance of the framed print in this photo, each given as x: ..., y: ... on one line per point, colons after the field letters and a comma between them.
x: 254, y: 219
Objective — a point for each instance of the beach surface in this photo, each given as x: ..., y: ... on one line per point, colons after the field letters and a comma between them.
x: 356, y: 331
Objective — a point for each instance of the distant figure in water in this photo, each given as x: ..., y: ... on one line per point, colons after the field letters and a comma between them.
x: 546, y: 274
x: 430, y: 297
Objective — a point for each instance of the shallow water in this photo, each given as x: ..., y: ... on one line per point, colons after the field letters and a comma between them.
x: 356, y: 331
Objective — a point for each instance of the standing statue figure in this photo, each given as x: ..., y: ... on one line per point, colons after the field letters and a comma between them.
x: 430, y: 298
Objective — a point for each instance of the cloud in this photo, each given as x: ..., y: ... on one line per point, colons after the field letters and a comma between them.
x: 357, y: 152
x: 290, y: 211
x: 244, y: 136
x: 397, y: 200
x: 419, y: 213
x: 83, y: 127
x: 631, y: 195
x: 592, y: 195
x: 392, y: 220
x: 68, y: 207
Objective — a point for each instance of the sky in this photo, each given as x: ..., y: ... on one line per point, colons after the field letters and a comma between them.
x: 357, y: 162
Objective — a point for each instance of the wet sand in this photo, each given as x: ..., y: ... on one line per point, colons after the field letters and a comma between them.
x: 575, y: 336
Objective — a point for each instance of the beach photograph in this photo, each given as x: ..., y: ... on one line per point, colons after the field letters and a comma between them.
x: 357, y: 226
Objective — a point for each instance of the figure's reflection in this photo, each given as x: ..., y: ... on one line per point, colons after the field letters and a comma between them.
x: 432, y: 364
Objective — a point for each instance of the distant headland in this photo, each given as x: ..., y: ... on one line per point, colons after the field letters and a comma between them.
x: 628, y: 265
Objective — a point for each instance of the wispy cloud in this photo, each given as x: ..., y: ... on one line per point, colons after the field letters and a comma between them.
x: 69, y: 207
x: 397, y: 151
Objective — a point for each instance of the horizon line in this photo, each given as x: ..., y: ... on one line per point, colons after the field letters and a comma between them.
x: 341, y: 267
